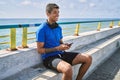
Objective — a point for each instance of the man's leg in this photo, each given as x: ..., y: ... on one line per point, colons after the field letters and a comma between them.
x: 66, y: 69
x: 85, y: 60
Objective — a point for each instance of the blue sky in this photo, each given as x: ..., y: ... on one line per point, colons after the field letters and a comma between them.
x: 68, y: 8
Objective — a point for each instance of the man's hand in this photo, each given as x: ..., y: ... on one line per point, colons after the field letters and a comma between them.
x: 69, y: 44
x: 63, y: 47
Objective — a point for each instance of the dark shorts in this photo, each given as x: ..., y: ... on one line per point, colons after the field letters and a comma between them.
x: 52, y: 61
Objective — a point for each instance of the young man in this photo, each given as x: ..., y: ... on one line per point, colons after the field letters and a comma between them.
x: 52, y: 49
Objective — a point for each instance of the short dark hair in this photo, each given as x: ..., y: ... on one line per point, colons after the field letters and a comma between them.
x: 51, y: 6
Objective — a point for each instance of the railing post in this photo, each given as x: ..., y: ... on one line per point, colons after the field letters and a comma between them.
x: 99, y: 26
x: 112, y: 24
x: 119, y: 23
x: 13, y: 39
x: 24, y: 38
x: 77, y: 30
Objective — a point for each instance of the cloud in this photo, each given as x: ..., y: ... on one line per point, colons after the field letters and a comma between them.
x: 53, y: 1
x: 26, y: 2
x: 2, y: 13
x: 33, y: 3
x: 38, y: 4
x: 83, y: 1
x: 72, y: 6
x: 85, y: 9
x: 2, y: 3
x: 92, y: 5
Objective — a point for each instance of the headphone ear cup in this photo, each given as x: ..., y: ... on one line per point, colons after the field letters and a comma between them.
x: 53, y: 25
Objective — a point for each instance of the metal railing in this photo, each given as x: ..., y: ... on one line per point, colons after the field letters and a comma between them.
x: 25, y: 32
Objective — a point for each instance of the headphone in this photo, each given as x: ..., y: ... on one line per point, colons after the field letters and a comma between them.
x: 53, y: 25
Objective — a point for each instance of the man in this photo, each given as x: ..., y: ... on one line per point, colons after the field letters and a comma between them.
x: 52, y: 49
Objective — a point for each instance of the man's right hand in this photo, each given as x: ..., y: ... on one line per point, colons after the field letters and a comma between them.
x: 62, y: 47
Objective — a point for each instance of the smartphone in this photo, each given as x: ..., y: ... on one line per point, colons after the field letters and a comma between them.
x: 70, y: 44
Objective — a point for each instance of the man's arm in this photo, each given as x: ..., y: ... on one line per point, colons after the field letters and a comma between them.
x: 42, y: 50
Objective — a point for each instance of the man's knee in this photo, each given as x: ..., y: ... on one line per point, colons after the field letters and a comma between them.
x: 68, y: 69
x: 88, y: 58
x: 64, y: 67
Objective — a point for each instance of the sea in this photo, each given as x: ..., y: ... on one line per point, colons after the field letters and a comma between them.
x: 68, y: 29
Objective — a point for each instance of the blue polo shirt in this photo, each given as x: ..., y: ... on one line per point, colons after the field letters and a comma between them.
x: 50, y: 37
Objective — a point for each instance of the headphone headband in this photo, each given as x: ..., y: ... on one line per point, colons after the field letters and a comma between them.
x: 53, y: 25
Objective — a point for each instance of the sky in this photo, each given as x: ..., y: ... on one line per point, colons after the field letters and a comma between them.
x: 68, y: 8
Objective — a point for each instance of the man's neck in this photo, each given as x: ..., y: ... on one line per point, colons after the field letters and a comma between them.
x: 50, y: 21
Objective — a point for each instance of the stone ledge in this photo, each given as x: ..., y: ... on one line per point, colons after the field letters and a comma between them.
x: 97, y: 53
x: 16, y: 61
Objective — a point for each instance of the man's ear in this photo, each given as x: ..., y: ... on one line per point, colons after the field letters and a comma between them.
x: 47, y: 13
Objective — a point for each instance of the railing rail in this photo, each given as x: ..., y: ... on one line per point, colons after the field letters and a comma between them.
x: 25, y: 32
x: 37, y: 24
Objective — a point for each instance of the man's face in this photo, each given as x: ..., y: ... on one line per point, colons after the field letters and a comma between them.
x: 53, y: 16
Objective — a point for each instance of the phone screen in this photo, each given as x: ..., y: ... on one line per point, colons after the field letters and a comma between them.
x: 70, y: 44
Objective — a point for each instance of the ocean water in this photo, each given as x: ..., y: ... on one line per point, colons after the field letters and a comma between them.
x: 68, y: 29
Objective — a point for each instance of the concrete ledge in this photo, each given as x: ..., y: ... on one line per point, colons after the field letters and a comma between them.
x: 89, y: 37
x: 13, y: 62
x: 99, y: 54
x: 16, y: 61
x: 103, y: 52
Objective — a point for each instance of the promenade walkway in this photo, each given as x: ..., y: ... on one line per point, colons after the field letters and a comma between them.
x: 109, y: 70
